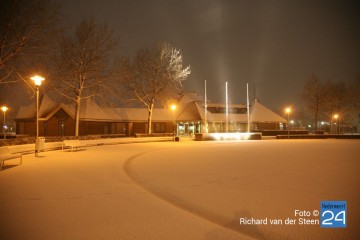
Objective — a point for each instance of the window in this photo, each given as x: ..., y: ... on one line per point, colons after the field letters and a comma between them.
x: 159, y: 127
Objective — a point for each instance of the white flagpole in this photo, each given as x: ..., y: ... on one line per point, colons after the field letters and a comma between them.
x: 206, y: 125
x: 248, y: 107
x: 227, y: 107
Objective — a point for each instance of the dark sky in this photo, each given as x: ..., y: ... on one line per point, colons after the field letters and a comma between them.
x: 273, y: 45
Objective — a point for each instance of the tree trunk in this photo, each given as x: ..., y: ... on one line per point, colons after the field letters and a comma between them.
x: 316, y: 116
x: 77, y: 116
x: 150, y: 111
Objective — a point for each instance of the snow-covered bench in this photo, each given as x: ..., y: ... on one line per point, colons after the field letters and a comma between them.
x: 73, y: 144
x: 6, y: 155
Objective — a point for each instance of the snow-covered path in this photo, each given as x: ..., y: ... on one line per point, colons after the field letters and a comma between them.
x: 186, y: 190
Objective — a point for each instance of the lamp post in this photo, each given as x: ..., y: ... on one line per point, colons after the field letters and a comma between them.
x: 323, y: 125
x: 336, y: 117
x: 292, y: 124
x: 173, y: 108
x: 288, y: 110
x: 37, y: 81
x: 4, y: 109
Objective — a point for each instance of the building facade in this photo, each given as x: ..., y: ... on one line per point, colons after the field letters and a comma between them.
x: 58, y: 119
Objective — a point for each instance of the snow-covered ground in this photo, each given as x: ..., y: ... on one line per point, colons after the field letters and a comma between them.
x: 184, y: 190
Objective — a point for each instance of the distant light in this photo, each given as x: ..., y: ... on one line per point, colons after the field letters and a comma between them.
x: 4, y: 108
x: 292, y: 121
x: 37, y: 80
x: 336, y: 116
x: 173, y: 107
x: 322, y: 123
x: 287, y: 110
x: 309, y: 126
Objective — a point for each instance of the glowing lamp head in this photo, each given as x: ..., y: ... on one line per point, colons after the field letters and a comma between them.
x: 173, y: 107
x: 4, y: 108
x: 288, y: 110
x: 37, y: 80
x: 336, y: 116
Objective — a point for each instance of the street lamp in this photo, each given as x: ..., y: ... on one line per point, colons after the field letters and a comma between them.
x: 336, y: 117
x: 173, y: 108
x: 4, y: 109
x: 292, y: 124
x: 288, y: 110
x: 37, y: 80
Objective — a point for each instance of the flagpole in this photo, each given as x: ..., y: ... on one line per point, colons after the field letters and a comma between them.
x: 227, y: 107
x: 248, y: 107
x: 206, y: 125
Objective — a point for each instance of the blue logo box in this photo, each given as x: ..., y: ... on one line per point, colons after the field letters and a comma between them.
x: 333, y: 214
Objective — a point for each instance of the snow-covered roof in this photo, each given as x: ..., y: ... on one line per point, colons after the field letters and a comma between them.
x: 90, y: 111
x: 27, y: 112
x: 190, y: 108
x: 260, y: 113
x: 195, y: 111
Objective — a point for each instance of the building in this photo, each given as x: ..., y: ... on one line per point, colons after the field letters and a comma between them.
x: 57, y: 119
x: 191, y: 117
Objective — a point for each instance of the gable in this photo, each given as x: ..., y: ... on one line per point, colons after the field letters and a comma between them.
x: 189, y: 113
x: 260, y: 113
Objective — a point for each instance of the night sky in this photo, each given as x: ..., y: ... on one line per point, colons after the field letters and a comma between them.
x: 273, y: 45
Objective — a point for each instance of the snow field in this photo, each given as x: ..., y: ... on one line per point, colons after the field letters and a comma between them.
x: 184, y: 190
x: 225, y: 181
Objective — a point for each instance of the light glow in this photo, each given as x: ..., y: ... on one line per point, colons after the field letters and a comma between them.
x: 173, y: 107
x: 37, y: 80
x: 4, y: 108
x: 230, y: 136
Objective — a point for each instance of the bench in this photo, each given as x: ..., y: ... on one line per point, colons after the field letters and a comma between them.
x: 73, y: 144
x: 6, y: 155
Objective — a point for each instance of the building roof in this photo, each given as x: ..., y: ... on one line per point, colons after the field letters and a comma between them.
x: 195, y: 111
x: 90, y: 111
x: 190, y: 108
x: 260, y: 113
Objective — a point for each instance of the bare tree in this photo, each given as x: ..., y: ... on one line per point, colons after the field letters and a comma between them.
x: 339, y: 101
x: 315, y: 95
x: 27, y: 30
x: 84, y: 63
x: 353, y: 90
x: 153, y: 76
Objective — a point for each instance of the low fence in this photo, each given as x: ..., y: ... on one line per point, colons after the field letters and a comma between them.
x: 21, y: 140
x: 318, y: 136
x: 283, y: 132
x: 50, y: 144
